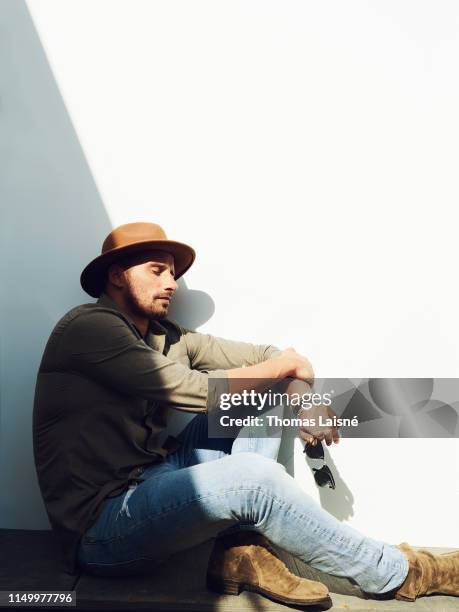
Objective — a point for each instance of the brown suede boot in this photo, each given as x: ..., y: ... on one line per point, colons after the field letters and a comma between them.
x: 246, y: 560
x: 429, y: 573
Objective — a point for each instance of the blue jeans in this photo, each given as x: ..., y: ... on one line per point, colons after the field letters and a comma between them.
x: 215, y: 485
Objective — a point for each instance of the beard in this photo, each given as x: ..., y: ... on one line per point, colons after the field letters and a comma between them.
x: 144, y: 306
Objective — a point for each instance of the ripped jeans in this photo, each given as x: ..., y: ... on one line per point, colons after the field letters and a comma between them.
x: 214, y: 485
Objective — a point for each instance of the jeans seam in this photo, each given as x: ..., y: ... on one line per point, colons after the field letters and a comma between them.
x: 325, y: 531
x: 256, y: 488
x: 175, y: 507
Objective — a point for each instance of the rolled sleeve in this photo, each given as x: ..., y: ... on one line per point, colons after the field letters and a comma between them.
x: 101, y: 346
x: 271, y: 351
x: 208, y: 352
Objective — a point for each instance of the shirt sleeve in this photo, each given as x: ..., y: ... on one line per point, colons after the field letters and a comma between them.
x: 102, y: 346
x: 207, y: 352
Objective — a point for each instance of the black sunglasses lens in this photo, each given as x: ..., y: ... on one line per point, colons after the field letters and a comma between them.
x: 324, y: 477
x: 314, y: 452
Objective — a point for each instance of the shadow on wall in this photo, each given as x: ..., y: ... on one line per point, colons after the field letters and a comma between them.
x: 53, y: 223
x: 52, y: 215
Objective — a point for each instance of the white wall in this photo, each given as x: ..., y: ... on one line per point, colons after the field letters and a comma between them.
x: 308, y: 151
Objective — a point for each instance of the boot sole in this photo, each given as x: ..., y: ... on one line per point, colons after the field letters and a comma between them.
x: 231, y: 587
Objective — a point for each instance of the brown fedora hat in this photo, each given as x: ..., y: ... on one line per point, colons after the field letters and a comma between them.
x: 133, y: 238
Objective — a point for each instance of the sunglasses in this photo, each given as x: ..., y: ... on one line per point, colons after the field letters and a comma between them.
x: 322, y: 476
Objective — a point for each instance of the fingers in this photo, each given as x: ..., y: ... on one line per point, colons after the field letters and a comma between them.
x: 308, y: 438
x: 330, y: 437
x: 333, y: 436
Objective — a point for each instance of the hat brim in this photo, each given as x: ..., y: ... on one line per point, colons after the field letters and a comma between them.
x: 92, y: 278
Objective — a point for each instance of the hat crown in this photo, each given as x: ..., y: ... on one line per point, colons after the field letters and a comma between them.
x: 129, y: 233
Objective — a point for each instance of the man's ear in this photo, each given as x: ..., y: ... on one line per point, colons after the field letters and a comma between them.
x: 115, y: 275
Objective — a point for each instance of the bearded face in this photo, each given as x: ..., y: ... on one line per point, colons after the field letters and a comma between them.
x: 147, y: 282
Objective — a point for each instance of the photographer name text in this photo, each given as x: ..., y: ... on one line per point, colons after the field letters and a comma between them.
x: 276, y: 421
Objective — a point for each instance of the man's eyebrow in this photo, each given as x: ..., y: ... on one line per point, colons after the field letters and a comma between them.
x: 160, y: 264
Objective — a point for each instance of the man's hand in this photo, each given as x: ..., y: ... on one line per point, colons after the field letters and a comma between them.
x: 313, y: 433
x: 317, y: 432
x: 299, y: 366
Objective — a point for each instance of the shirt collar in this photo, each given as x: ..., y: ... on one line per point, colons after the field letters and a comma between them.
x: 106, y: 300
x: 154, y: 327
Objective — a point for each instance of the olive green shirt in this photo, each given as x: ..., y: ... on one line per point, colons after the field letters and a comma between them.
x: 102, y: 399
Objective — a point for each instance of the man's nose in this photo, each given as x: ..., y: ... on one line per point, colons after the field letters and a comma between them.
x: 171, y: 285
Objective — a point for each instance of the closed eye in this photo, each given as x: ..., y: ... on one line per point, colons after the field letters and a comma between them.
x: 157, y: 268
